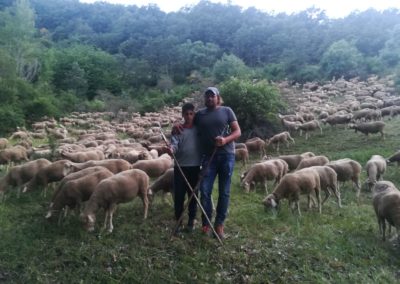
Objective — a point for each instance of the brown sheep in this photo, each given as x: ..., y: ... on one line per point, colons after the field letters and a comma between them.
x: 164, y: 183
x: 394, y: 158
x: 291, y: 186
x: 80, y: 157
x: 155, y: 167
x: 51, y: 173
x: 76, y: 191
x: 312, y: 161
x: 120, y: 188
x: 19, y: 175
x: 282, y: 137
x: 369, y: 127
x: 262, y: 172
x: 310, y: 126
x: 376, y: 168
x: 348, y: 169
x: 242, y: 155
x: 13, y: 154
x: 3, y: 143
x: 386, y: 202
x: 114, y: 165
x: 256, y: 145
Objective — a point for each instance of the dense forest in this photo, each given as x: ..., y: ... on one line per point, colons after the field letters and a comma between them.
x: 58, y: 56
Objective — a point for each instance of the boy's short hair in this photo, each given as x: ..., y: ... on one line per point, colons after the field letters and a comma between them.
x: 186, y: 107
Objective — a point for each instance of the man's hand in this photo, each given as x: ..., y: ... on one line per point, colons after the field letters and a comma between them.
x: 220, y: 141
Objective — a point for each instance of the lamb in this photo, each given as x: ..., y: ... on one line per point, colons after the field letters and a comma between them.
x: 375, y: 167
x: 282, y: 137
x: 51, y: 173
x: 120, y: 188
x: 80, y: 157
x: 369, y: 127
x: 242, y: 155
x: 76, y: 191
x: 262, y: 172
x: 394, y: 158
x: 347, y: 169
x: 19, y: 175
x: 256, y: 145
x: 155, y: 167
x: 328, y: 180
x: 240, y: 146
x: 386, y: 202
x: 114, y: 165
x: 13, y: 154
x: 309, y: 126
x: 164, y: 183
x: 290, y: 126
x: 313, y: 161
x: 291, y: 186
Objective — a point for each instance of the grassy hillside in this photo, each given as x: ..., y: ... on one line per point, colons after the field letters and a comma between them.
x: 339, y: 246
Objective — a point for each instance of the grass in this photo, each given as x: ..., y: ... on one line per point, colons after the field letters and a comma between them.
x: 339, y: 246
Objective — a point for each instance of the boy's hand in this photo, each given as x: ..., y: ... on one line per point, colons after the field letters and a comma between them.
x: 177, y: 128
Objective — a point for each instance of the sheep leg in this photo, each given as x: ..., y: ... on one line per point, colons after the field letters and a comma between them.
x: 112, y: 209
x: 337, y: 194
x: 383, y: 224
x: 317, y: 193
x: 327, y: 195
x: 265, y: 187
x: 297, y: 203
x: 105, y: 219
x: 145, y: 200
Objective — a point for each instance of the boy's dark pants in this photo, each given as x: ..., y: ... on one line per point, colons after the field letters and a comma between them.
x: 181, y: 188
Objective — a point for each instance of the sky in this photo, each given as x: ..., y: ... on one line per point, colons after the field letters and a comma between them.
x: 333, y: 8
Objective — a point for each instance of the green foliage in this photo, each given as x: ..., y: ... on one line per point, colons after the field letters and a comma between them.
x: 341, y: 59
x: 11, y: 116
x: 390, y: 54
x: 229, y: 66
x: 252, y: 102
x: 95, y: 105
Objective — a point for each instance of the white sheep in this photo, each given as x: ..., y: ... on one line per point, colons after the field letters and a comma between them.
x: 313, y: 161
x: 120, y: 188
x: 283, y: 137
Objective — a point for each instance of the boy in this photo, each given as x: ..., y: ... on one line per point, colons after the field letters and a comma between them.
x: 185, y: 146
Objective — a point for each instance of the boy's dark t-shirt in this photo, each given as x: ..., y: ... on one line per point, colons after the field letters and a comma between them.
x: 211, y: 124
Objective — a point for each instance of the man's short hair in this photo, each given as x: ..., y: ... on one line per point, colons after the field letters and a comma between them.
x: 186, y: 107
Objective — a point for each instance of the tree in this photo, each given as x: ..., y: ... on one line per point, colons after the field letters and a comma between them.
x: 253, y: 103
x: 341, y: 59
x: 390, y: 54
x: 229, y: 66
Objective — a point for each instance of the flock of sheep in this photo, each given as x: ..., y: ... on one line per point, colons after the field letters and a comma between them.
x: 90, y: 167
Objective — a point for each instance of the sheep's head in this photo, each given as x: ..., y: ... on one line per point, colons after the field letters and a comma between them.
x: 88, y: 221
x: 270, y: 202
x: 246, y: 186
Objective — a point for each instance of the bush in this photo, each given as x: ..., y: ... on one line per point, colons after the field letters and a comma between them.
x: 10, y: 117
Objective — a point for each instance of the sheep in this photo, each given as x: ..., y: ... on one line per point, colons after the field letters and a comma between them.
x: 13, y: 154
x: 80, y: 157
x: 242, y: 155
x: 290, y: 126
x: 375, y: 167
x: 292, y: 160
x: 309, y: 126
x: 333, y: 120
x: 120, y: 188
x: 114, y: 165
x: 256, y: 144
x: 369, y: 127
x: 51, y: 173
x: 386, y: 202
x: 76, y: 191
x: 164, y: 183
x: 19, y: 175
x: 291, y: 186
x: 3, y: 143
x: 312, y: 161
x: 394, y: 158
x: 155, y: 167
x: 240, y: 146
x: 262, y: 172
x: 282, y: 137
x: 328, y: 180
x: 347, y: 169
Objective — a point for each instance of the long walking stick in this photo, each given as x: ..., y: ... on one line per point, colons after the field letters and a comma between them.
x: 191, y: 189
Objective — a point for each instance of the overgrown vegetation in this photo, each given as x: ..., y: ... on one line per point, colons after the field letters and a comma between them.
x: 338, y: 246
x: 57, y: 55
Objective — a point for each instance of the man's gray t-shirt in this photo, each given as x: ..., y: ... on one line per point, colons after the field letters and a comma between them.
x: 213, y: 123
x: 186, y: 147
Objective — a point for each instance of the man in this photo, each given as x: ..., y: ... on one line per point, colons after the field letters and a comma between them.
x: 218, y: 128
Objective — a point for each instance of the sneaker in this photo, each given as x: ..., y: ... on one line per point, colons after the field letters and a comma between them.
x: 219, y: 229
x: 206, y: 229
